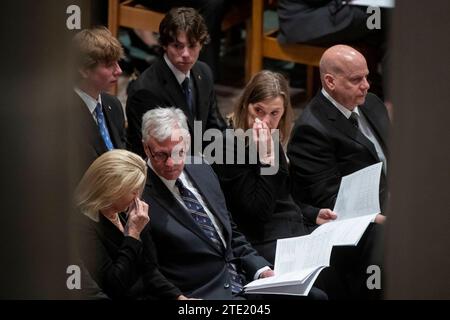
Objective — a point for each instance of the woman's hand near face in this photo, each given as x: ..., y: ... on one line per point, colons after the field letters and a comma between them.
x: 137, y: 218
x: 262, y: 138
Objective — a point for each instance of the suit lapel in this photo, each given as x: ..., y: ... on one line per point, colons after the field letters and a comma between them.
x: 377, y: 126
x: 341, y: 123
x: 201, y: 103
x: 165, y: 198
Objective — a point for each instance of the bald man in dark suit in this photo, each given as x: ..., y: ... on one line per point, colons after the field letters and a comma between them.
x: 343, y: 129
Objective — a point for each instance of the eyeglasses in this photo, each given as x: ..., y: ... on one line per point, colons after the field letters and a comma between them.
x: 163, y: 156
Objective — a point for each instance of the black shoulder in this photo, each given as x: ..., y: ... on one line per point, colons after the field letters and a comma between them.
x: 110, y: 100
x: 202, y: 68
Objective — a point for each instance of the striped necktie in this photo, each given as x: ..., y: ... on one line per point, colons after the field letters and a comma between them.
x: 102, y: 126
x: 200, y: 216
x: 354, y: 119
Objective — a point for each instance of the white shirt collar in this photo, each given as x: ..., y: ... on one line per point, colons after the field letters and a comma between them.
x: 177, y: 73
x: 347, y: 113
x: 90, y: 102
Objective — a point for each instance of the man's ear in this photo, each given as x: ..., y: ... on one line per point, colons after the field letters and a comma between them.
x: 144, y: 145
x: 329, y: 81
x: 147, y: 151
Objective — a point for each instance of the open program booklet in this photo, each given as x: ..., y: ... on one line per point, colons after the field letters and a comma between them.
x: 299, y: 260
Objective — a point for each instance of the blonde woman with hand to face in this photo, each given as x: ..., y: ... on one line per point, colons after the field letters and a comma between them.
x: 115, y: 244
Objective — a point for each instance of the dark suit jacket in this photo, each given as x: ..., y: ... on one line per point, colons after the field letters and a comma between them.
x: 158, y: 87
x: 186, y: 256
x: 122, y: 266
x: 261, y: 205
x: 313, y: 21
x: 89, y: 142
x: 325, y: 146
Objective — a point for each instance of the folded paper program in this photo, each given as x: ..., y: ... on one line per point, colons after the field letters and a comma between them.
x: 299, y: 260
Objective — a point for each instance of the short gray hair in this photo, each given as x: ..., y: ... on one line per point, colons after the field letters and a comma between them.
x: 159, y: 123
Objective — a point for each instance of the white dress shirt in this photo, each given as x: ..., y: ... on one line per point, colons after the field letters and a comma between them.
x: 180, y: 76
x: 90, y: 102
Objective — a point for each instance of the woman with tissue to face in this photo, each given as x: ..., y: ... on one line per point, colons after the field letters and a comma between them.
x: 258, y: 191
x: 115, y: 247
x: 257, y: 188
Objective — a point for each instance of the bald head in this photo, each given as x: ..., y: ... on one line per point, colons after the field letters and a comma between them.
x: 337, y: 59
x: 343, y: 73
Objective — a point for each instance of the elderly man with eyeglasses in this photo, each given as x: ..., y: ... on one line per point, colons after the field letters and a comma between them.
x: 198, y: 246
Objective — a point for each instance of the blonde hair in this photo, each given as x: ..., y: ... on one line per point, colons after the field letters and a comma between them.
x: 93, y: 46
x: 262, y: 86
x: 110, y: 177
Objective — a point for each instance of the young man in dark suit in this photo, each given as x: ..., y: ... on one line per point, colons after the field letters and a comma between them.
x: 100, y: 122
x: 212, y: 12
x: 343, y: 129
x: 176, y: 79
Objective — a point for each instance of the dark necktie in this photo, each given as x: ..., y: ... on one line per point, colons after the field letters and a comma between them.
x: 187, y: 94
x: 354, y: 119
x: 200, y: 216
x: 102, y: 126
